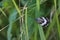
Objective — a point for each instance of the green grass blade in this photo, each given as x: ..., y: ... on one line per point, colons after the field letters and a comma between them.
x: 55, y: 5
x: 50, y: 27
x: 58, y: 25
x: 57, y: 15
x: 41, y: 32
x: 38, y: 4
x: 3, y: 12
x: 35, y: 32
x: 18, y: 9
x: 12, y: 18
x: 37, y: 9
x: 59, y: 5
x: 26, y: 25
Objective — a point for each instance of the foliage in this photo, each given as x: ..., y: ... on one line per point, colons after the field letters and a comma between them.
x: 17, y: 19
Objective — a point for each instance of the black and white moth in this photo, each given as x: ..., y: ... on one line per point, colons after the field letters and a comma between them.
x: 43, y: 21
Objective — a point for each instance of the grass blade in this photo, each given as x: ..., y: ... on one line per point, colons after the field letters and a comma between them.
x: 41, y: 32
x: 3, y: 12
x: 26, y: 25
x: 18, y: 10
x: 12, y: 18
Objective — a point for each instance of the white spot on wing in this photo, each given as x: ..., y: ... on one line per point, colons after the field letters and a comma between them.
x: 45, y: 21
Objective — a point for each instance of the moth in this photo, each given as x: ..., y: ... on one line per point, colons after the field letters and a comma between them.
x: 44, y: 21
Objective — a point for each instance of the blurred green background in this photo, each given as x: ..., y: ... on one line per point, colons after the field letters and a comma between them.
x: 17, y: 19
